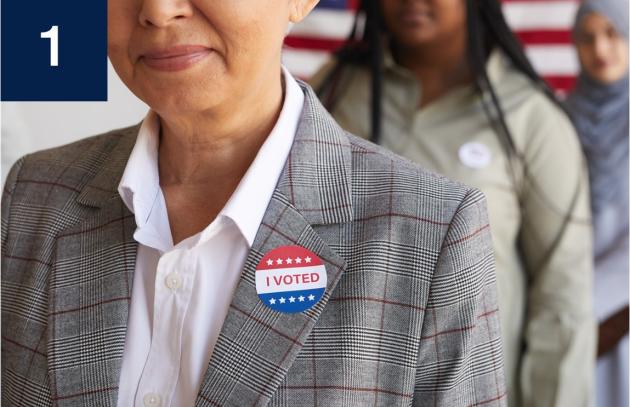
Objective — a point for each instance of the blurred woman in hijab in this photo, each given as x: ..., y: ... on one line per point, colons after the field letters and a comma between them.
x: 599, y: 108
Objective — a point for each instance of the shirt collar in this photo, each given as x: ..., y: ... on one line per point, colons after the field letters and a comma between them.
x: 247, y: 205
x: 140, y: 183
x: 139, y: 187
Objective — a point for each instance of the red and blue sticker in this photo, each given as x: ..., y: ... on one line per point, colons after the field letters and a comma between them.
x: 290, y: 279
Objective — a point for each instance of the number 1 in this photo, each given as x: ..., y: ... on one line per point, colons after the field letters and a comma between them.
x: 53, y: 34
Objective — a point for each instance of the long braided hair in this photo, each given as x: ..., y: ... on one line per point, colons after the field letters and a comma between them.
x: 487, y: 30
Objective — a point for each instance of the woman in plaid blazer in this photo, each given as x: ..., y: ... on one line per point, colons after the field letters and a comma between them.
x: 409, y: 313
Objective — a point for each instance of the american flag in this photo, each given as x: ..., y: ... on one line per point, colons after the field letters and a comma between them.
x: 543, y: 26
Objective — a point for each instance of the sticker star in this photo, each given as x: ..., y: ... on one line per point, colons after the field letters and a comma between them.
x: 270, y: 262
x: 301, y: 298
x: 289, y: 261
x: 279, y: 261
x: 311, y: 297
x: 298, y: 260
x: 282, y: 300
x: 272, y: 301
x: 291, y: 299
x: 307, y: 259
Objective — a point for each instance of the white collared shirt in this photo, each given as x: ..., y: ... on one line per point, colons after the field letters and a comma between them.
x: 181, y: 294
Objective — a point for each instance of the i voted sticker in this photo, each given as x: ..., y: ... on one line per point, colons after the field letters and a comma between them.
x: 290, y: 279
x: 475, y: 155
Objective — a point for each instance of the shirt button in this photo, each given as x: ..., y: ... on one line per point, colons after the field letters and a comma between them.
x: 173, y: 281
x: 151, y: 400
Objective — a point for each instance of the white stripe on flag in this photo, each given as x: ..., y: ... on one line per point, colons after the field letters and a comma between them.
x: 532, y: 15
x: 326, y: 24
x: 303, y: 63
x: 550, y: 60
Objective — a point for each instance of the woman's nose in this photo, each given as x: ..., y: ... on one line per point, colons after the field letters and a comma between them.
x: 161, y: 13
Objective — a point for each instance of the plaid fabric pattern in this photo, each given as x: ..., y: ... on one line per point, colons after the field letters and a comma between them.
x: 409, y: 316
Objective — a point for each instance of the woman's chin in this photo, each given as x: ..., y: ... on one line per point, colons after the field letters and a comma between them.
x: 182, y: 99
x: 607, y: 76
x: 181, y: 92
x: 417, y: 38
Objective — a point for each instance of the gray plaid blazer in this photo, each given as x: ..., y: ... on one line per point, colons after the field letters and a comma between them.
x: 409, y: 316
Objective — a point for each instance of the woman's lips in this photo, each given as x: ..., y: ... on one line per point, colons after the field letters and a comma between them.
x: 414, y: 17
x: 601, y: 63
x: 176, y: 58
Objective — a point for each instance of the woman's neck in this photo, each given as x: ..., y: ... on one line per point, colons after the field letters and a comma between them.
x: 203, y: 158
x: 439, y: 66
x: 219, y: 144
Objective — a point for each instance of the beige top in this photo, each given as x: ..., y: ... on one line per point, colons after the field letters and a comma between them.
x: 547, y: 324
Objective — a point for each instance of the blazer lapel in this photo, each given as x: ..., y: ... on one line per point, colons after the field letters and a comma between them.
x: 258, y: 345
x: 90, y: 291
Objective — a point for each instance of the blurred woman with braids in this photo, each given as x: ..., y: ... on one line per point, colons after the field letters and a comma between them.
x: 599, y: 108
x: 446, y: 84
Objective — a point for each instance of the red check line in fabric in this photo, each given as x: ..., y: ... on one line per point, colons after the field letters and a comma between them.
x: 262, y: 323
x: 355, y: 150
x: 485, y: 314
x: 402, y: 215
x: 127, y: 298
x: 324, y: 209
x: 320, y: 142
x: 48, y: 183
x: 357, y: 389
x: 492, y: 400
x: 53, y: 380
x: 489, y: 331
x: 387, y: 262
x: 62, y: 173
x: 458, y: 330
x: 379, y: 300
x: 99, y: 227
x: 23, y: 346
x: 28, y: 259
x: 467, y: 237
x: 85, y: 393
x: 273, y: 228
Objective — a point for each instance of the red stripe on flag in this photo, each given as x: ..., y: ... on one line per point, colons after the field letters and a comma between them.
x: 543, y: 37
x: 561, y: 83
x: 313, y: 43
x: 353, y: 4
x: 534, y: 37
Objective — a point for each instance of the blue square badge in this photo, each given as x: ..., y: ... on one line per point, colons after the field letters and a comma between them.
x: 54, y: 50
